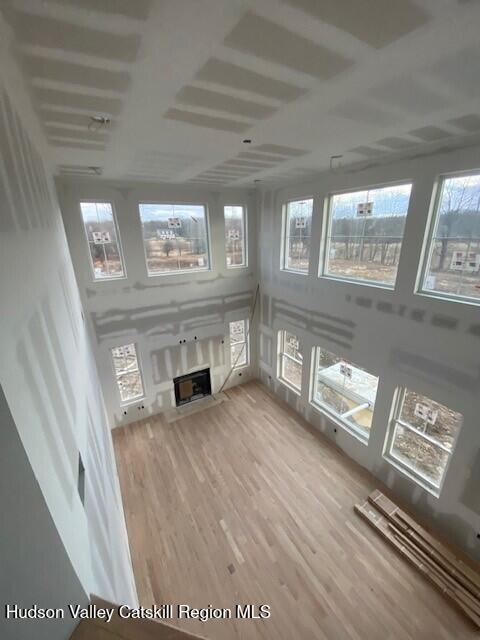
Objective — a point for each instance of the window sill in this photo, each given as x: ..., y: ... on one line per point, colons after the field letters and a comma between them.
x: 363, y: 283
x: 346, y: 426
x: 295, y: 272
x: 290, y: 386
x: 233, y: 267
x: 110, y: 279
x: 445, y: 297
x: 181, y: 272
x: 414, y: 477
x: 128, y: 403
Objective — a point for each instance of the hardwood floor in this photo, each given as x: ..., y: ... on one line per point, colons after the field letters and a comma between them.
x: 245, y: 503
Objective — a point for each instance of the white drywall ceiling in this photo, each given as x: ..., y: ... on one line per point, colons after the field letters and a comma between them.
x: 185, y: 81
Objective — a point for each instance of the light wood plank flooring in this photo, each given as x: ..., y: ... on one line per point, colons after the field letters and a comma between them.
x: 245, y: 503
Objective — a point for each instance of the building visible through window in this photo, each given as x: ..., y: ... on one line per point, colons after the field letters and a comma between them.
x: 453, y: 257
x: 175, y: 237
x: 103, y: 241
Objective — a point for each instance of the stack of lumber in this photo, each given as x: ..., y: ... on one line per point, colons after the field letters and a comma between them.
x: 440, y: 565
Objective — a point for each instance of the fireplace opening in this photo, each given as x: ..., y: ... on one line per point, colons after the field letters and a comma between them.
x: 192, y: 386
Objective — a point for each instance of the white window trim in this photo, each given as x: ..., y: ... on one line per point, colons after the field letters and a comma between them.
x: 244, y: 265
x: 281, y: 355
x: 126, y: 403
x: 328, y: 411
x: 246, y: 342
x: 119, y: 241
x: 326, y: 235
x: 177, y: 272
x: 427, y: 249
x: 284, y: 249
x: 416, y: 476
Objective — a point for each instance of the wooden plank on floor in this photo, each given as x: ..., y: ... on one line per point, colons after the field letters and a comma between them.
x: 395, y: 538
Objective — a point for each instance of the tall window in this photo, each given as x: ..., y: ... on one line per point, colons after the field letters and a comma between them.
x: 297, y: 235
x: 453, y: 257
x: 345, y: 391
x: 127, y: 373
x: 103, y: 240
x: 239, y: 346
x: 175, y: 237
x: 235, y: 236
x: 365, y: 233
x: 291, y: 360
x: 423, y: 436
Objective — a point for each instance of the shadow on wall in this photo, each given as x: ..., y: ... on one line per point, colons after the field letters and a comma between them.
x: 35, y: 565
x: 451, y: 525
x: 24, y: 192
x: 437, y: 320
x: 168, y: 318
x: 171, y: 362
x: 471, y: 494
x: 432, y: 371
x: 333, y: 328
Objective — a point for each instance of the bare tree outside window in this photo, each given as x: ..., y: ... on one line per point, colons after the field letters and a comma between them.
x: 453, y: 258
x: 365, y: 234
x: 297, y: 235
x: 175, y: 237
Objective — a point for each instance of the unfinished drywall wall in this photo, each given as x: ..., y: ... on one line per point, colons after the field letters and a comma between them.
x: 48, y: 375
x: 427, y: 344
x: 178, y: 321
x: 35, y: 567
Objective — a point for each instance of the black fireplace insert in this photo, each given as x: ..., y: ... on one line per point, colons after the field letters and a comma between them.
x: 192, y: 386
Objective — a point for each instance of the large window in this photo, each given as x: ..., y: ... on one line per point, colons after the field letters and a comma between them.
x: 239, y: 347
x: 175, y: 237
x: 453, y: 257
x: 290, y: 360
x: 235, y: 236
x: 423, y: 436
x: 127, y: 373
x: 297, y: 233
x: 365, y: 233
x: 103, y: 240
x: 345, y: 391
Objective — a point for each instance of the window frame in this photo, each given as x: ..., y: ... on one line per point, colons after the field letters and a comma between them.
x: 326, y: 235
x: 419, y: 478
x: 246, y: 342
x: 119, y: 240
x: 281, y: 355
x: 209, y: 267
x: 125, y: 403
x: 328, y: 411
x: 428, y: 243
x: 244, y: 264
x: 284, y: 238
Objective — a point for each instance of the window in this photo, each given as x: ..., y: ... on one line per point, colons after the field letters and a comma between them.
x: 127, y: 373
x: 365, y: 232
x: 297, y: 234
x: 239, y: 347
x: 175, y: 237
x: 235, y: 236
x: 103, y: 240
x: 423, y: 436
x: 345, y: 391
x: 291, y: 360
x: 453, y: 258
